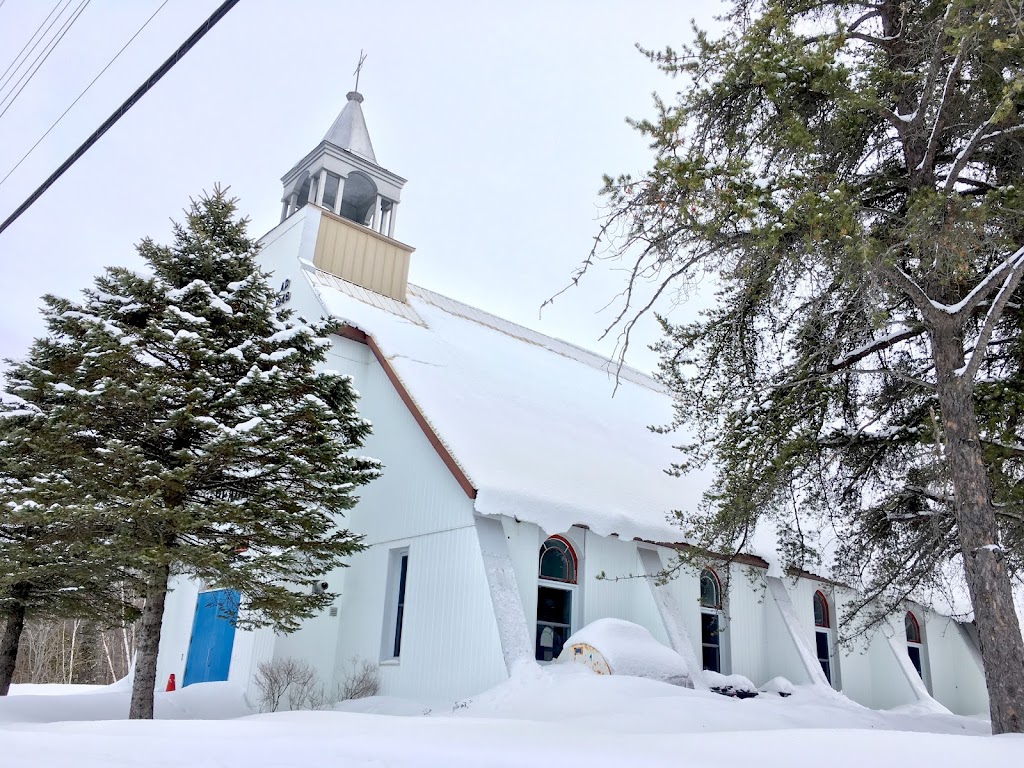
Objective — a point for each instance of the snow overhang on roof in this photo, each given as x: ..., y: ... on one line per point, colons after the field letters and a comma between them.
x: 536, y: 424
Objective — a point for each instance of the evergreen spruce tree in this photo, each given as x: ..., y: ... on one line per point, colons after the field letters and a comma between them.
x: 207, y: 428
x: 54, y: 562
x: 852, y: 176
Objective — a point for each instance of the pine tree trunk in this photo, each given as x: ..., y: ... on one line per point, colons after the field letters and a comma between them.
x: 148, y: 646
x: 9, y: 646
x: 1002, y: 647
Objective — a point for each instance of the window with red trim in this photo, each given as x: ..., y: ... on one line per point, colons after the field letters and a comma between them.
x: 913, y: 628
x: 711, y: 620
x: 554, y: 602
x: 821, y: 617
x: 558, y: 560
x: 915, y: 646
x: 823, y: 634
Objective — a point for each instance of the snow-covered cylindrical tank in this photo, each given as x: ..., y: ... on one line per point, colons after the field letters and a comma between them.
x: 617, y: 647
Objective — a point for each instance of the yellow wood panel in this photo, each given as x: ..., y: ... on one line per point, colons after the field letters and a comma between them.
x: 362, y: 256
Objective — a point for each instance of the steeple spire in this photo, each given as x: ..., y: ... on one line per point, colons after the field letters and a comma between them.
x: 349, y: 130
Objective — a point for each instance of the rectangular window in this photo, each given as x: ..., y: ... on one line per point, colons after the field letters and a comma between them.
x: 711, y: 641
x: 403, y: 569
x: 824, y: 654
x: 394, y: 617
x: 554, y: 621
x: 915, y: 657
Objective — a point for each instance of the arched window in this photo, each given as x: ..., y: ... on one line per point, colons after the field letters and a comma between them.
x: 710, y: 589
x: 556, y: 572
x: 823, y: 634
x: 711, y: 620
x: 915, y: 645
x: 821, y: 617
x: 558, y: 560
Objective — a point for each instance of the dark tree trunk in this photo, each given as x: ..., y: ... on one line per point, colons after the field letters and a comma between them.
x: 1002, y: 647
x: 148, y: 646
x: 9, y: 646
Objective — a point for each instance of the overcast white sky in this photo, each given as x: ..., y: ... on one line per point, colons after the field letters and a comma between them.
x: 502, y: 117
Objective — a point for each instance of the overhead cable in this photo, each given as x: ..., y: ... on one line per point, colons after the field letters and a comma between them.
x: 43, y: 56
x: 4, y: 78
x: 79, y: 97
x: 141, y: 91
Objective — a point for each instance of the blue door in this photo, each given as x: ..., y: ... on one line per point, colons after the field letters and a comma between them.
x: 213, y: 636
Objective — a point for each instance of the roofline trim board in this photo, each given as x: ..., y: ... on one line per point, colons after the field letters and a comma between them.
x: 354, y: 334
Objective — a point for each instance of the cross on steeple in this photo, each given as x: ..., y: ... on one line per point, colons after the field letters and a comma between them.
x: 359, y: 67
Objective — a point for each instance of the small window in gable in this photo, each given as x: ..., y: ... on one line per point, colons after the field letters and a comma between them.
x: 558, y: 560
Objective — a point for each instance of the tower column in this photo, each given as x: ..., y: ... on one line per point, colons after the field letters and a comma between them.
x: 321, y: 185
x: 391, y: 218
x: 378, y: 214
x: 341, y: 194
x: 284, y: 210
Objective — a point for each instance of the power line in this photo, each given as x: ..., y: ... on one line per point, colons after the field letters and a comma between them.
x: 48, y: 45
x: 79, y: 97
x: 141, y: 91
x: 4, y: 77
x: 45, y: 54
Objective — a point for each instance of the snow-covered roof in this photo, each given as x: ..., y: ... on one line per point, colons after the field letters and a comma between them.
x: 531, y: 420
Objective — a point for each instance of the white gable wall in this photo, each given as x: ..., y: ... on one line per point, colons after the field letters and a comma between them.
x: 450, y: 645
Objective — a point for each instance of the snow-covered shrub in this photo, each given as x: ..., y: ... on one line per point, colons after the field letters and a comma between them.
x: 779, y: 685
x: 361, y: 681
x: 736, y: 686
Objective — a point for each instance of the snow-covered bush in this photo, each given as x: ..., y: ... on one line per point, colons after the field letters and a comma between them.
x: 779, y: 685
x: 736, y: 686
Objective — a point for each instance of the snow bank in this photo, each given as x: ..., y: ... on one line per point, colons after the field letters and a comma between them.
x: 57, y: 703
x: 559, y: 713
x: 617, y: 647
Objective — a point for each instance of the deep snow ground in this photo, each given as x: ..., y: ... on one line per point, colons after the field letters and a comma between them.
x: 551, y: 716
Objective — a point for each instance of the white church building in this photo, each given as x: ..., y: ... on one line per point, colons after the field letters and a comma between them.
x: 516, y: 490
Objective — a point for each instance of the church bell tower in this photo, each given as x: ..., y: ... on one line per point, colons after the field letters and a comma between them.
x: 342, y: 175
x: 355, y: 202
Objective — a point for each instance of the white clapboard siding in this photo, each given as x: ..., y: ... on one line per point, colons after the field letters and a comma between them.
x: 450, y: 645
x: 623, y: 593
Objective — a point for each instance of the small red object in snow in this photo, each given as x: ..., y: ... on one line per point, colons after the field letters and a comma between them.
x: 170, y: 682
